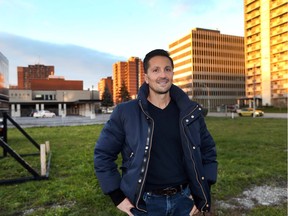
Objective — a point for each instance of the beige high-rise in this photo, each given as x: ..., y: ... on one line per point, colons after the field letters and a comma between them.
x: 209, y: 67
x: 266, y: 51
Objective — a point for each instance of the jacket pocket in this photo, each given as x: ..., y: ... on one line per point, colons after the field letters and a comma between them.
x: 126, y: 164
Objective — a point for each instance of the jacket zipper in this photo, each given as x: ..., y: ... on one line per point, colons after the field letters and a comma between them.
x: 150, y: 134
x: 190, y: 153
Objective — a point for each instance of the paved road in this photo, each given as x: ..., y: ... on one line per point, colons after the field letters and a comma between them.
x: 102, y: 118
x: 59, y: 121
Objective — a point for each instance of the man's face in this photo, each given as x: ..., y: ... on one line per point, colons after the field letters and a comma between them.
x: 159, y: 76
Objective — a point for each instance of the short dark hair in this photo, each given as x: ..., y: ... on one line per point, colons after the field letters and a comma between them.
x: 153, y: 53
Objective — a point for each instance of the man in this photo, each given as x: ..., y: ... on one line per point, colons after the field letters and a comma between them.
x: 168, y: 155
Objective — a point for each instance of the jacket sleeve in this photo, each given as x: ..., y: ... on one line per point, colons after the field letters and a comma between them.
x: 106, y: 152
x: 208, y: 153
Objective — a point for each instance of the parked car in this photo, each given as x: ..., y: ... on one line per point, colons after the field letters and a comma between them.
x: 232, y: 108
x: 108, y: 109
x: 44, y: 114
x: 32, y: 112
x: 249, y: 112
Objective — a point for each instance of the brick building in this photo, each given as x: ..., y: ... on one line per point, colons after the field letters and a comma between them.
x: 27, y: 74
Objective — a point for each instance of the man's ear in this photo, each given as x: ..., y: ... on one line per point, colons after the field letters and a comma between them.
x: 146, y: 78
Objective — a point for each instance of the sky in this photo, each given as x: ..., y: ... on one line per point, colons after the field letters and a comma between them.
x: 84, y: 38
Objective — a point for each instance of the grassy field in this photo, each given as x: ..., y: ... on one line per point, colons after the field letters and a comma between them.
x: 250, y: 152
x: 274, y: 109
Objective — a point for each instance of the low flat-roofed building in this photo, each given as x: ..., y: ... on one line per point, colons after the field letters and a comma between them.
x: 61, y: 102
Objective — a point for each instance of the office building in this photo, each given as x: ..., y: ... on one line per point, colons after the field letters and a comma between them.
x: 266, y: 51
x: 130, y: 74
x: 209, y: 67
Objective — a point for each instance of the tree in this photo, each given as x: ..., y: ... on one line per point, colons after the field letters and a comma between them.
x: 124, y: 94
x: 107, y: 100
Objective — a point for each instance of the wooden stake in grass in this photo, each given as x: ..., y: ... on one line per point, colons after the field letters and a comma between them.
x: 47, y: 145
x: 43, y: 159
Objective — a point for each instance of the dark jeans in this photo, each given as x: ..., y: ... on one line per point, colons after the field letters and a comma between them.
x: 176, y: 205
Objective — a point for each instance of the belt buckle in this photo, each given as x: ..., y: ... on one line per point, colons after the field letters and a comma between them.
x: 169, y: 191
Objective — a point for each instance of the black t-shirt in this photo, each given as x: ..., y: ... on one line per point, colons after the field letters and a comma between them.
x: 166, y: 167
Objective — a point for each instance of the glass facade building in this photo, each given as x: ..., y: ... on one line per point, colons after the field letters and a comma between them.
x: 4, y: 84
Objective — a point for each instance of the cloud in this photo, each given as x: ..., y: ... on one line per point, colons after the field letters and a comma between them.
x: 71, y: 61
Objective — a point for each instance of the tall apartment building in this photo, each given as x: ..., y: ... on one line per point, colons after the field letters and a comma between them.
x: 130, y: 73
x: 209, y: 67
x: 27, y: 74
x: 266, y: 51
x: 119, y: 69
x: 105, y: 83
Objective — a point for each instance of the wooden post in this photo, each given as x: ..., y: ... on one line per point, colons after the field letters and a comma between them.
x: 43, y: 159
x: 47, y: 145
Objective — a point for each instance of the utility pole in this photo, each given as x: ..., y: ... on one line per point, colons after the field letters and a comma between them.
x: 92, y: 104
x: 92, y: 92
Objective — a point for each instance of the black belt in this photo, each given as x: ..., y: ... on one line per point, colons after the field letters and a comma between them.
x: 169, y: 190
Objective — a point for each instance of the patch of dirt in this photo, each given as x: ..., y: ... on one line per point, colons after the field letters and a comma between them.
x: 259, y: 195
x: 54, y: 206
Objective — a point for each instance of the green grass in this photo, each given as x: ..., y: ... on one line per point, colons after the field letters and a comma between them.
x: 250, y: 152
x: 274, y: 109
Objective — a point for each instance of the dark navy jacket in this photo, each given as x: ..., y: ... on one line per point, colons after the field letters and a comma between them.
x: 130, y: 131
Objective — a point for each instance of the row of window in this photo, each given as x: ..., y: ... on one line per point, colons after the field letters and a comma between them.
x: 45, y: 97
x: 218, y: 46
x: 36, y: 97
x: 218, y: 38
x: 203, y: 92
x: 23, y: 95
x: 216, y: 53
x: 220, y: 63
x: 212, y: 85
x: 213, y: 77
x: 204, y: 69
x: 218, y: 69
